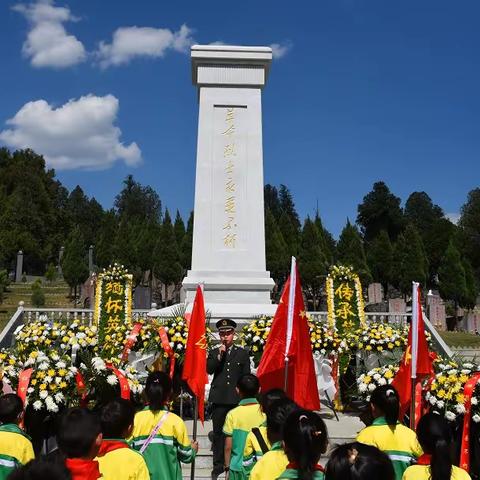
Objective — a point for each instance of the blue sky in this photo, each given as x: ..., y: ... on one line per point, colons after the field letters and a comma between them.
x: 359, y: 91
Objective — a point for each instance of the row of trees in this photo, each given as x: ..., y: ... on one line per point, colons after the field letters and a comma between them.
x: 388, y: 243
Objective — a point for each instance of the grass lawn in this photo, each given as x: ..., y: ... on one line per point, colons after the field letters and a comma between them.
x: 461, y: 339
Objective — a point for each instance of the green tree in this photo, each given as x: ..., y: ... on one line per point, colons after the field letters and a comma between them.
x: 380, y: 259
x: 288, y: 206
x: 138, y: 203
x: 451, y: 277
x: 144, y: 245
x: 38, y: 297
x: 179, y: 228
x: 471, y: 286
x: 329, y: 245
x: 470, y: 230
x: 74, y: 261
x: 290, y: 234
x: 350, y: 251
x: 277, y: 258
x: 186, y: 246
x: 380, y: 210
x: 4, y: 282
x: 51, y: 273
x: 125, y: 248
x: 167, y: 265
x: 410, y: 263
x: 105, y: 242
x: 313, y: 263
x: 272, y: 201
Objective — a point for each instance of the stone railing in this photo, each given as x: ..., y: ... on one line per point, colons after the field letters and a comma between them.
x: 28, y: 314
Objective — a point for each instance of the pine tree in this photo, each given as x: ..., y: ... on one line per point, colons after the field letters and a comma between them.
x: 451, y: 277
x: 470, y: 230
x: 106, y: 239
x: 350, y: 252
x: 380, y: 259
x: 471, y: 286
x: 179, y: 228
x: 409, y: 260
x: 186, y: 246
x: 272, y: 201
x: 288, y: 206
x: 329, y: 245
x: 290, y: 234
x: 277, y: 258
x: 313, y: 263
x: 380, y: 210
x: 74, y: 261
x: 167, y: 265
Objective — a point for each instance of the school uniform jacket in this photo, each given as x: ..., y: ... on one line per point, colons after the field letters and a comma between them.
x: 252, y: 452
x: 15, y: 449
x: 399, y: 443
x: 271, y: 465
x: 422, y: 472
x: 168, y: 448
x: 226, y: 372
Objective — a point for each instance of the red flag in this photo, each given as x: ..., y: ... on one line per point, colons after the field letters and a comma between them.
x: 302, y: 381
x: 195, y: 364
x: 416, y: 361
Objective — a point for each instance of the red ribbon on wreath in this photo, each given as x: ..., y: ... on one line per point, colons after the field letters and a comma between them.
x: 23, y: 383
x: 131, y: 339
x: 465, y: 449
x: 122, y: 380
x: 167, y: 348
x: 81, y: 389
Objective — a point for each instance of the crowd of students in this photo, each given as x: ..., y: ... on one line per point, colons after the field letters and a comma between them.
x: 270, y: 439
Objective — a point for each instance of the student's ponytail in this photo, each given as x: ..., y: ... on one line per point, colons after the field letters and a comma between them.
x: 434, y: 436
x: 305, y: 438
x: 157, y: 390
x: 385, y: 398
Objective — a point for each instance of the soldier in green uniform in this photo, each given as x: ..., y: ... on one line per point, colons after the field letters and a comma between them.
x: 227, y: 363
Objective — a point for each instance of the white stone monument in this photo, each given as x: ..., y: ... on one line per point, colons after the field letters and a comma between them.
x: 228, y: 254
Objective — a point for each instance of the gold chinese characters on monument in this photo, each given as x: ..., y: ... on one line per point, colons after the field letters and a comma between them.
x: 229, y: 137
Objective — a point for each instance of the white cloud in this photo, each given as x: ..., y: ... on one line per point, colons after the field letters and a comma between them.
x: 131, y: 42
x: 77, y: 135
x: 453, y: 217
x: 279, y: 50
x: 48, y: 44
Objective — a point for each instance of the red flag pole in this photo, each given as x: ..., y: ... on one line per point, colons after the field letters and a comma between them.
x: 291, y: 309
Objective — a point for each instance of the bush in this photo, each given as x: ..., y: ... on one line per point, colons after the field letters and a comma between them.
x: 24, y: 278
x: 4, y: 282
x: 51, y: 273
x: 38, y: 297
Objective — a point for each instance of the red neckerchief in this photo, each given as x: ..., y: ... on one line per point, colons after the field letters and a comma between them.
x: 81, y: 469
x: 108, y: 446
x: 294, y: 466
x: 424, y: 459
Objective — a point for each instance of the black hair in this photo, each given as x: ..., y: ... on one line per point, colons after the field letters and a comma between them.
x: 277, y: 415
x: 11, y: 406
x: 40, y: 469
x: 267, y: 398
x: 116, y: 417
x: 305, y: 438
x: 357, y: 461
x: 158, y: 389
x: 77, y: 431
x: 434, y: 436
x: 248, y: 385
x: 386, y: 399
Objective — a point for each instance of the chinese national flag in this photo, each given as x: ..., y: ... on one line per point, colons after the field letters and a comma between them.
x: 416, y: 360
x: 195, y: 364
x: 302, y: 381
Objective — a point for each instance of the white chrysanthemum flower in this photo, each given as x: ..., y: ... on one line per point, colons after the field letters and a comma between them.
x: 476, y: 418
x: 59, y: 397
x: 98, y: 364
x: 382, y: 381
x: 43, y: 366
x: 459, y: 407
x: 61, y: 365
x: 474, y: 401
x: 362, y: 388
x: 450, y: 416
x: 453, y: 371
x: 30, y: 390
x: 37, y: 405
x: 55, y: 357
x: 432, y: 400
x: 112, y: 380
x: 377, y: 376
x: 179, y: 346
x: 371, y: 387
x: 52, y: 407
x: 43, y: 394
x: 440, y: 404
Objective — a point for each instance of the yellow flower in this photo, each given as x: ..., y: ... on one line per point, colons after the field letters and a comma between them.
x: 460, y: 398
x: 51, y: 372
x: 441, y: 393
x: 388, y: 374
x: 367, y: 379
x: 43, y: 386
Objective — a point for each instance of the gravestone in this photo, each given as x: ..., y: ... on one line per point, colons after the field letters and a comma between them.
x: 397, y: 305
x: 228, y: 253
x: 375, y: 294
x: 436, y: 312
x: 19, y: 268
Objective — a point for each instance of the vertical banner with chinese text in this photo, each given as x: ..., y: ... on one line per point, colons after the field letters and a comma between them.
x: 113, y: 301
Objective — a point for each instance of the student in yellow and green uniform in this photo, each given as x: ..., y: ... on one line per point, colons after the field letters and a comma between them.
x: 161, y: 435
x: 274, y: 462
x: 239, y: 422
x: 117, y: 461
x: 305, y: 438
x: 357, y: 461
x: 386, y: 433
x: 435, y: 437
x: 15, y: 446
x: 257, y: 440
